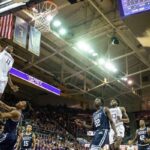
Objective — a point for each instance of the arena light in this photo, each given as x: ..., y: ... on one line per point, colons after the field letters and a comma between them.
x: 56, y: 23
x: 12, y: 6
x: 124, y: 78
x: 94, y: 54
x: 49, y: 18
x: 5, y: 2
x: 130, y: 82
x: 19, y: 74
x: 110, y: 67
x: 62, y: 31
x: 101, y: 61
x: 85, y: 47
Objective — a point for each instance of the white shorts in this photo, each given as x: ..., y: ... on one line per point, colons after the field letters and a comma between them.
x: 2, y: 86
x: 120, y: 133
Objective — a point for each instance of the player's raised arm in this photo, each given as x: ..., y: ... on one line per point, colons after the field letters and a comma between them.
x: 6, y: 107
x: 33, y: 142
x: 19, y: 141
x: 12, y: 86
x: 135, y: 138
x: 125, y: 117
x: 10, y: 115
x: 83, y: 124
x: 110, y: 120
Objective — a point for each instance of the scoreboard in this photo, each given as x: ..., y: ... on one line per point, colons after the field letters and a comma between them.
x: 130, y: 7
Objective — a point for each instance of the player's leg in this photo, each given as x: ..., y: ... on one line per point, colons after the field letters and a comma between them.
x: 2, y: 87
x: 120, y: 135
x: 7, y: 141
x: 100, y: 139
x: 111, y: 139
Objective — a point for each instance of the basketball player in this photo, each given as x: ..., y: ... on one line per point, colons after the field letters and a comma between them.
x: 6, y: 63
x: 27, y: 140
x: 119, y: 117
x: 142, y: 136
x: 8, y: 137
x: 101, y: 121
x: 130, y: 146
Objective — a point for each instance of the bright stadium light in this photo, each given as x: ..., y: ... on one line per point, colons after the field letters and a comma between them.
x: 49, y: 18
x: 62, y: 31
x: 56, y: 23
x: 130, y: 82
x: 85, y: 47
x: 110, y: 66
x: 94, y: 54
x: 124, y: 78
x: 101, y: 61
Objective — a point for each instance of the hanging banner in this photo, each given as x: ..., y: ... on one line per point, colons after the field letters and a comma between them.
x: 34, y: 41
x: 26, y: 77
x: 20, y: 32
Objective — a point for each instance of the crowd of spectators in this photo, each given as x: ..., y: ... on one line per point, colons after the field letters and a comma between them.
x: 55, y: 126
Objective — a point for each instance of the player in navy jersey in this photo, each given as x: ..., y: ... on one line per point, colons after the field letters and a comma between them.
x: 13, y: 115
x: 101, y: 121
x: 26, y: 140
x: 142, y: 136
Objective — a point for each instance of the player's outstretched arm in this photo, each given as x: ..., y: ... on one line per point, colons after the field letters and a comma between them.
x: 13, y: 87
x: 19, y: 141
x: 6, y: 107
x: 83, y: 124
x: 33, y: 142
x: 10, y: 115
x: 110, y: 119
x: 125, y: 117
x: 135, y: 138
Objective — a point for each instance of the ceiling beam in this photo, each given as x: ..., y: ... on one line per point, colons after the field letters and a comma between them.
x: 121, y: 34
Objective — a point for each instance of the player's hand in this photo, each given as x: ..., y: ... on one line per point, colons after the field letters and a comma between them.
x: 79, y: 122
x: 1, y: 103
x: 115, y: 137
x: 15, y: 88
x: 146, y: 141
x: 0, y: 115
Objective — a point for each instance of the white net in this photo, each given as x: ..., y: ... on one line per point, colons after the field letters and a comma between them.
x: 43, y: 15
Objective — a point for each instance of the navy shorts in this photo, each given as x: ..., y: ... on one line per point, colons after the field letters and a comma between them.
x: 7, y: 141
x: 143, y: 147
x: 100, y: 139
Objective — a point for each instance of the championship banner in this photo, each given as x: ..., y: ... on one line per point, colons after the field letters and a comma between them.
x: 20, y: 32
x: 34, y: 41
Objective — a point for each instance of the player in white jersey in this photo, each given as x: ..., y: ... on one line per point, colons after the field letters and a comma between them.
x: 130, y: 146
x: 119, y: 117
x: 6, y: 63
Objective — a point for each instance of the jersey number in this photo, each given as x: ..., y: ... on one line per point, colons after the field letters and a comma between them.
x: 26, y: 143
x: 142, y: 137
x: 8, y: 61
x: 97, y: 122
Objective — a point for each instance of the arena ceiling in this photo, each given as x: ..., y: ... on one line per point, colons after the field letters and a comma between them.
x: 95, y: 21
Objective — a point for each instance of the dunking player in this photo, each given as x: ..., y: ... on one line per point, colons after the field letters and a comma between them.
x: 26, y: 141
x: 119, y: 117
x: 142, y: 136
x: 6, y: 63
x: 8, y: 137
x: 101, y: 121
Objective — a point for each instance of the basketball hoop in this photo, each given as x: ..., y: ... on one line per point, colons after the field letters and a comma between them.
x: 43, y: 14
